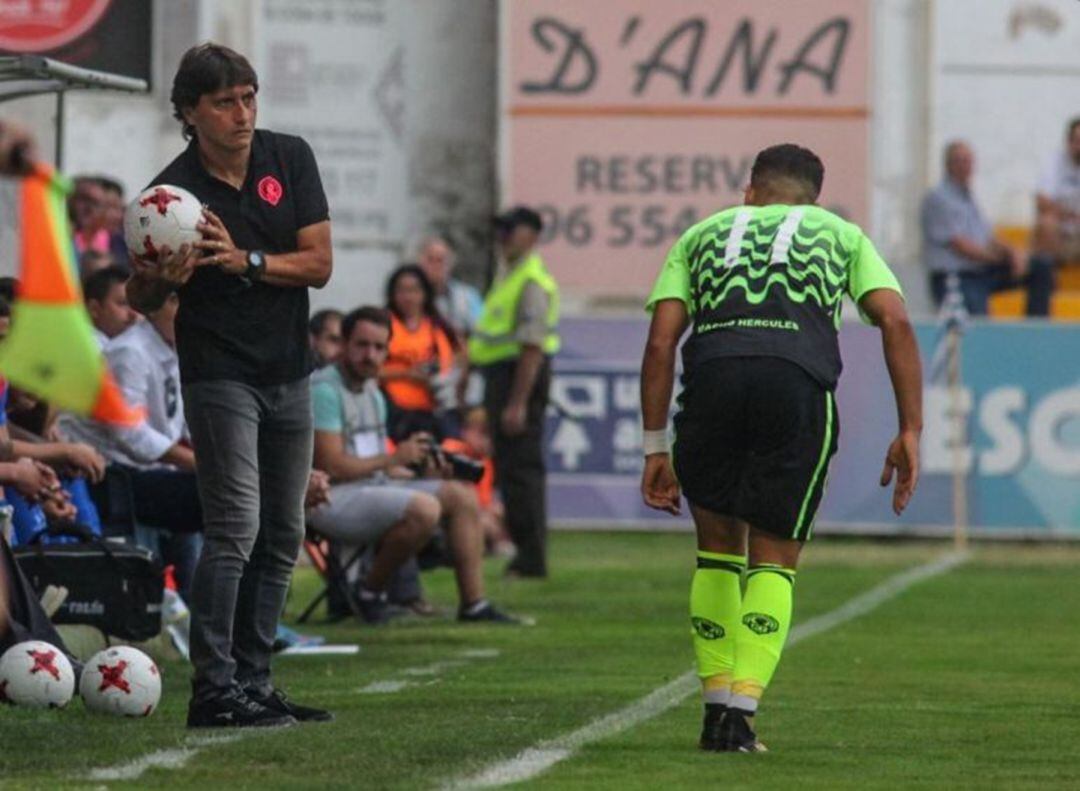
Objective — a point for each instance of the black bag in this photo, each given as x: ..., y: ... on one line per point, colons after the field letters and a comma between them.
x: 113, y: 586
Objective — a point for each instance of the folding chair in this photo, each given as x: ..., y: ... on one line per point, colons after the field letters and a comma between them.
x: 333, y: 572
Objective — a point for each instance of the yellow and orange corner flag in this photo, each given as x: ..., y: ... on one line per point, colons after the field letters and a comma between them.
x: 51, y: 350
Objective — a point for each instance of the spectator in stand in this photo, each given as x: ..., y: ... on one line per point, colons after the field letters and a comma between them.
x: 419, y: 374
x: 114, y: 216
x: 324, y: 332
x: 88, y: 207
x: 153, y: 461
x: 959, y: 242
x: 107, y: 303
x: 1057, y: 205
x: 385, y: 498
x: 457, y: 301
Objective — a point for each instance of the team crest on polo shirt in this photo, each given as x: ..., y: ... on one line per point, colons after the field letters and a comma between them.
x: 270, y: 190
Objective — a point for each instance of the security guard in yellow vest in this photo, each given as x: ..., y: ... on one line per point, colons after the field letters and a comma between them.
x: 512, y: 344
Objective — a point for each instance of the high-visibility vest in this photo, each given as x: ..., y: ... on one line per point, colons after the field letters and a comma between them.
x: 493, y: 338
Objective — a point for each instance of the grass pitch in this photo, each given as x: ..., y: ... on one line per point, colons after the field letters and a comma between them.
x: 969, y: 679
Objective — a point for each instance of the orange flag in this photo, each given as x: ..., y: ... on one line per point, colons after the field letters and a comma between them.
x: 51, y: 351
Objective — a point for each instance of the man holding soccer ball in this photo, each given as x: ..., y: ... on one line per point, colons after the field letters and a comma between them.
x: 241, y: 335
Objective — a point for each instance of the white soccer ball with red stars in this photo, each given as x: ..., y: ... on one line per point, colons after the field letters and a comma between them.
x: 36, y: 674
x: 162, y: 216
x: 122, y: 681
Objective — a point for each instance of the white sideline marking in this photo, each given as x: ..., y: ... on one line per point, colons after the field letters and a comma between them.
x: 384, y: 687
x: 175, y: 758
x: 544, y: 755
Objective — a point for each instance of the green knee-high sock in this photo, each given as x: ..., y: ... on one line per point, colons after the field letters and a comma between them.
x: 715, y: 604
x: 762, y: 631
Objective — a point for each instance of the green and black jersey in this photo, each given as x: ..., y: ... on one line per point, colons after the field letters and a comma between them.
x: 769, y: 281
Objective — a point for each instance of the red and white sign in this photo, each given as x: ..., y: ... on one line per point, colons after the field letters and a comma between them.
x: 626, y: 121
x: 43, y: 25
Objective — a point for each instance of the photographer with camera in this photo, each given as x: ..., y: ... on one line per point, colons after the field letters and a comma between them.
x: 391, y: 499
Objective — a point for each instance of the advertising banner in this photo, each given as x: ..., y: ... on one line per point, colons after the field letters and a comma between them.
x: 104, y: 35
x: 624, y: 122
x: 1019, y: 402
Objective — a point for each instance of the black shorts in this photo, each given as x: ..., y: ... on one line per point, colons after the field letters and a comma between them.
x: 753, y: 440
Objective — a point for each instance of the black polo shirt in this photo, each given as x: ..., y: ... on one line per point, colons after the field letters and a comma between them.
x: 226, y: 327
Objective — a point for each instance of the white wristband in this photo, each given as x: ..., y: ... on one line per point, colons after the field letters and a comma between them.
x: 654, y: 441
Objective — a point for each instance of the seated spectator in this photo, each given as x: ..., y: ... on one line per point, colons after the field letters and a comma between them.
x: 114, y: 216
x: 152, y: 461
x: 458, y: 302
x: 324, y: 334
x: 386, y: 498
x: 88, y: 207
x: 418, y: 376
x: 959, y: 243
x: 1057, y: 204
x: 107, y: 302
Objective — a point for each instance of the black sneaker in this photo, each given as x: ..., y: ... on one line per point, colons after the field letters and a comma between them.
x: 487, y: 613
x: 736, y: 735
x: 373, y: 609
x: 711, y: 735
x: 234, y: 709
x: 279, y: 702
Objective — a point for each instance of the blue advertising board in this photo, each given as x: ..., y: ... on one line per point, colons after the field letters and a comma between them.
x: 1020, y: 453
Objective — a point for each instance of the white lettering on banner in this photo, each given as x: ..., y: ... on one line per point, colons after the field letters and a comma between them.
x: 626, y: 393
x: 938, y: 440
x: 1001, y: 417
x: 581, y: 395
x: 626, y: 438
x: 571, y: 443
x: 1007, y: 453
x: 1047, y: 422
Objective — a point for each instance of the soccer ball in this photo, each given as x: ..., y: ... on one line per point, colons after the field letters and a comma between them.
x: 36, y: 674
x: 122, y: 681
x: 162, y: 216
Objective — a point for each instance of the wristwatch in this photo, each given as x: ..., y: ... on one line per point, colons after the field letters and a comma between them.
x: 256, y: 265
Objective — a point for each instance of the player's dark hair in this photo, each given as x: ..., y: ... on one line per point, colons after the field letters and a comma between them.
x: 5, y: 308
x: 791, y: 162
x: 204, y: 69
x: 98, y: 285
x: 1072, y: 127
x: 110, y: 184
x: 430, y: 310
x: 380, y: 317
x: 317, y: 322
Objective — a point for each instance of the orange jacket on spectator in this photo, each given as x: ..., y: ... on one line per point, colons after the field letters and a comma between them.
x: 427, y: 345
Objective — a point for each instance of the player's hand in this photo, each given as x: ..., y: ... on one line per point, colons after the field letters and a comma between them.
x: 903, y: 459
x: 59, y: 509
x: 218, y: 246
x: 659, y: 487
x: 176, y: 268
x: 513, y: 419
x: 318, y: 489
x: 17, y: 153
x: 85, y: 461
x: 413, y: 451
x: 35, y: 481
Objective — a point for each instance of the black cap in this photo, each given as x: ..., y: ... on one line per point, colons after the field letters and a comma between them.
x: 519, y: 215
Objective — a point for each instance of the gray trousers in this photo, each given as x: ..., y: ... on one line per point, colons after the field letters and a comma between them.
x: 253, y: 450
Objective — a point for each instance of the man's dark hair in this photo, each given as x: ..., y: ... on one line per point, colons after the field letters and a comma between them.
x: 5, y: 308
x: 791, y: 163
x: 204, y: 69
x: 317, y: 322
x: 369, y: 313
x: 98, y: 285
x: 110, y: 184
x: 1072, y: 127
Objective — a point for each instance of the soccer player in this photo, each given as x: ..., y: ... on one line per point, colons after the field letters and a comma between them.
x: 761, y: 285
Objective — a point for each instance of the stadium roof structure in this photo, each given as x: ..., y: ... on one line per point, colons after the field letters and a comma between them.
x: 32, y: 75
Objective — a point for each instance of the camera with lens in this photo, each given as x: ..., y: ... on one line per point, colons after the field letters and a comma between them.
x: 462, y: 467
